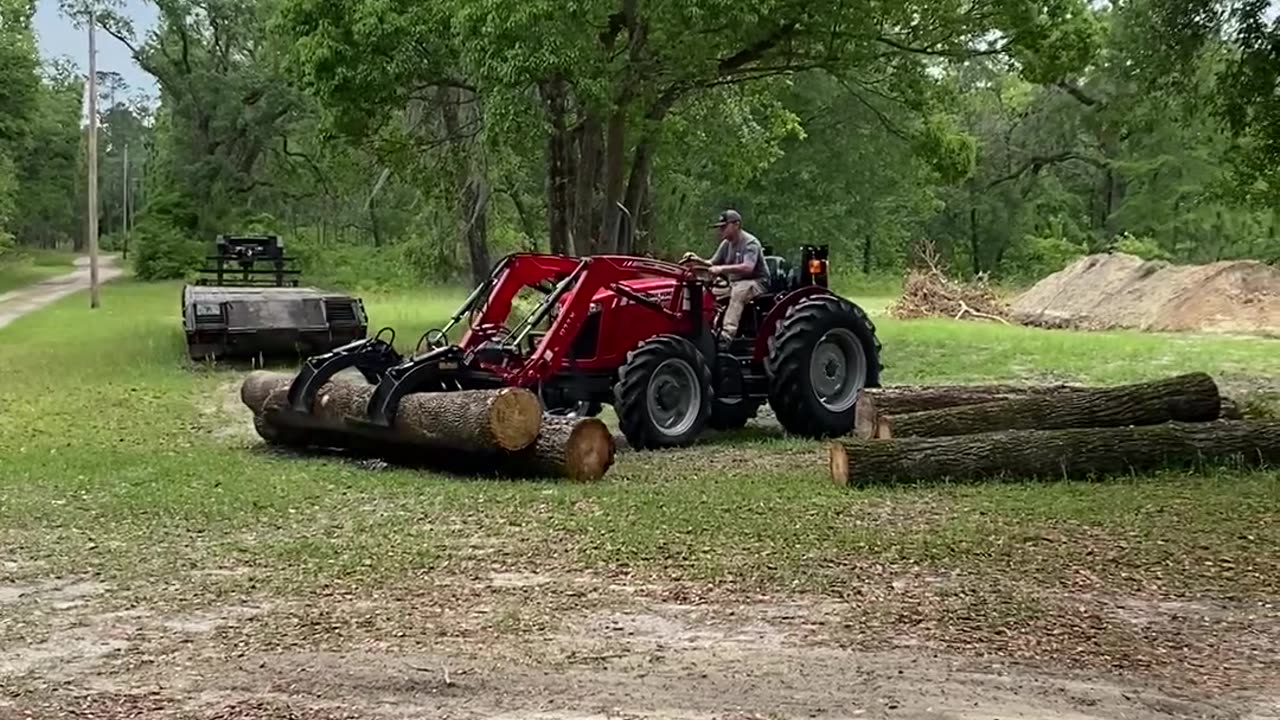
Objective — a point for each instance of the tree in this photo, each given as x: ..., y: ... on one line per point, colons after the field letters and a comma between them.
x: 606, y: 96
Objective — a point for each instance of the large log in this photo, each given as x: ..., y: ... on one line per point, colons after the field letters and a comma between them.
x: 1068, y: 454
x: 580, y: 449
x: 575, y: 448
x: 902, y: 399
x: 466, y: 420
x: 1190, y: 398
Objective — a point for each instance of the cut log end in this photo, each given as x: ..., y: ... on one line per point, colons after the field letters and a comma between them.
x: 884, y: 428
x: 839, y: 462
x: 589, y: 451
x: 864, y: 417
x: 514, y: 418
x: 258, y: 386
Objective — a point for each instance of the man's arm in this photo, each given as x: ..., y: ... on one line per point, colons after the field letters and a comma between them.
x: 750, y: 254
x: 718, y: 256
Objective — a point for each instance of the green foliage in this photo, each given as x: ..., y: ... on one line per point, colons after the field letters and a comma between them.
x: 1143, y: 247
x: 163, y: 252
x: 8, y: 189
x: 948, y: 149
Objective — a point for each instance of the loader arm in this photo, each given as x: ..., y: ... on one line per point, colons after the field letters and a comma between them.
x: 578, y: 280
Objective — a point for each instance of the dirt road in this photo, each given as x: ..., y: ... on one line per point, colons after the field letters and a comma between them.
x: 17, y: 303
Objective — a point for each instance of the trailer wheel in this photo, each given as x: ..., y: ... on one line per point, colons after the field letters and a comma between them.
x: 821, y: 356
x: 663, y: 393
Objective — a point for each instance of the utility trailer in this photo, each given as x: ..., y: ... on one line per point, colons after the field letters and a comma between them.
x: 247, y: 304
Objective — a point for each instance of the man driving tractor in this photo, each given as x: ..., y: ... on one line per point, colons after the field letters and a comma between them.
x: 740, y: 259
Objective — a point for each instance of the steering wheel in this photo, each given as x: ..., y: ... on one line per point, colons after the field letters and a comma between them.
x: 704, y: 275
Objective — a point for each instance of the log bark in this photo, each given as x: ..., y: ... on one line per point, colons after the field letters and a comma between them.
x: 466, y: 420
x: 1231, y: 410
x: 899, y: 400
x: 1065, y: 454
x: 1189, y: 398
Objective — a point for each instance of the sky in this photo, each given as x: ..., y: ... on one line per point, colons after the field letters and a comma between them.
x: 59, y: 37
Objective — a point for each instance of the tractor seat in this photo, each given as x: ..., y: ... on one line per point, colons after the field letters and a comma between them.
x: 779, y: 273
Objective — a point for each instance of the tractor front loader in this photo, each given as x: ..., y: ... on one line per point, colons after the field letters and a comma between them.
x: 635, y: 333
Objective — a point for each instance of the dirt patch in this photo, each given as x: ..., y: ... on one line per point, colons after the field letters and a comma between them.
x: 223, y: 415
x: 645, y: 659
x: 1123, y: 291
x: 525, y: 644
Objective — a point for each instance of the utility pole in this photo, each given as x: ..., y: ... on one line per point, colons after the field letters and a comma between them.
x: 124, y: 202
x: 93, y: 166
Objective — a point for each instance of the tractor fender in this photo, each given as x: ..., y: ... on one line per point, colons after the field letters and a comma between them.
x: 776, y: 314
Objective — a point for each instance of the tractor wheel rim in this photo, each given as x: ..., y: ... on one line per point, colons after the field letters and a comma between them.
x: 673, y: 397
x: 837, y: 369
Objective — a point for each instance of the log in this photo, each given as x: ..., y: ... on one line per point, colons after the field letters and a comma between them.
x: 866, y: 417
x: 1231, y: 410
x: 466, y: 420
x: 902, y: 399
x: 1189, y: 398
x: 580, y: 449
x: 1064, y: 454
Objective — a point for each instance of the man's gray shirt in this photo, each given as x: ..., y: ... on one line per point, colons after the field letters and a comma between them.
x: 746, y: 250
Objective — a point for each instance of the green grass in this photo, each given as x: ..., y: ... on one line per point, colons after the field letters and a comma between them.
x: 123, y: 460
x: 33, y: 266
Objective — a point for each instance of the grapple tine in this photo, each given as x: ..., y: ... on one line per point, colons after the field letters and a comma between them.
x: 372, y: 357
x: 408, y: 376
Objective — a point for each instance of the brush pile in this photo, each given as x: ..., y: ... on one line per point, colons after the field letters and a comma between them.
x: 929, y: 292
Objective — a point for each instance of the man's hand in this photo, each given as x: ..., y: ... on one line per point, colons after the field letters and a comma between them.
x: 717, y: 269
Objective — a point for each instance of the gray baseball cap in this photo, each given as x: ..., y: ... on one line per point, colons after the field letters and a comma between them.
x: 726, y: 217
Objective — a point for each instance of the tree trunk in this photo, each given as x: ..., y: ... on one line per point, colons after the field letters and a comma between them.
x: 1188, y: 398
x: 866, y: 255
x: 466, y: 420
x: 645, y: 239
x: 527, y: 224
x: 585, y: 186
x: 475, y: 224
x: 1063, y: 454
x: 637, y: 187
x: 899, y: 400
x: 614, y: 169
x: 974, y: 245
x: 553, y: 94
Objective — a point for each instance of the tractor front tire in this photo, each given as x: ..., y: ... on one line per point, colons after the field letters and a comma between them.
x: 663, y: 394
x: 821, y: 355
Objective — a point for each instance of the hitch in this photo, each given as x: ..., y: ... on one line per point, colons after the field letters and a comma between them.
x: 372, y: 357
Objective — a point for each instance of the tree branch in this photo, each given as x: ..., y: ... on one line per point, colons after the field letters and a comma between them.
x: 1078, y: 93
x: 756, y: 50
x: 1039, y: 162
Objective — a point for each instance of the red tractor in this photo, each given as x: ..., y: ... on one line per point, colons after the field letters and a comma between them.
x: 638, y: 334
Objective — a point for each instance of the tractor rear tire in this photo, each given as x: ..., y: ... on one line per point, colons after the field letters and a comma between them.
x: 821, y: 355
x: 663, y: 394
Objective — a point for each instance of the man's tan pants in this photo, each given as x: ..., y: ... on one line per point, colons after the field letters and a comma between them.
x: 740, y: 292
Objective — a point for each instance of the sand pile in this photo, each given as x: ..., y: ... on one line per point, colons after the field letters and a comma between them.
x: 1122, y: 291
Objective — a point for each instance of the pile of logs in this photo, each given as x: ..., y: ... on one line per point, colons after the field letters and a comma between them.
x: 501, y: 432
x: 962, y: 433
